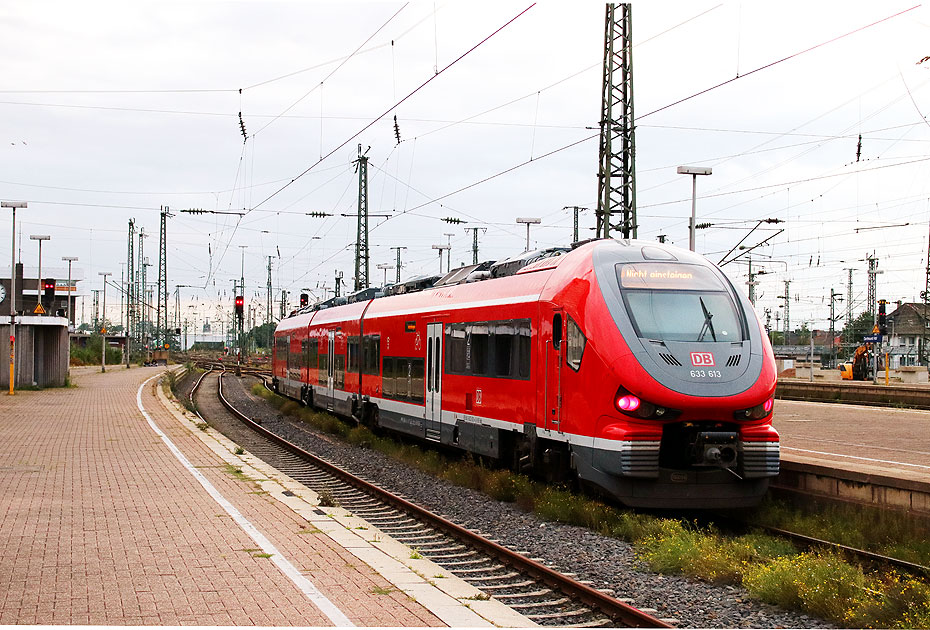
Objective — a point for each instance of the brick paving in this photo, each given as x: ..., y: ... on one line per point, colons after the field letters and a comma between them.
x: 100, y: 524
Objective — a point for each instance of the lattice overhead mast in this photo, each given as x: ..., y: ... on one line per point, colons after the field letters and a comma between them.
x: 161, y: 308
x: 616, y: 177
x: 131, y: 282
x: 922, y: 359
x: 361, y: 239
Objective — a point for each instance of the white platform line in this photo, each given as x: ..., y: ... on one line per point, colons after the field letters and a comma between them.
x: 306, y: 586
x: 865, y: 459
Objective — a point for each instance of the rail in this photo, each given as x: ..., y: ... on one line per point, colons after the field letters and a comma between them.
x: 610, y: 606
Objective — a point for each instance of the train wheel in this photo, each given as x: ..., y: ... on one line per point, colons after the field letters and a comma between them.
x: 371, y: 416
x: 524, y: 459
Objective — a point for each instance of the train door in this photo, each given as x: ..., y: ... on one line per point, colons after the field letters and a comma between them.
x: 330, y: 370
x: 555, y: 347
x: 433, y: 412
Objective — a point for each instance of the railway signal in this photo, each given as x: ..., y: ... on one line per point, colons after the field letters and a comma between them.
x: 239, y: 308
x: 48, y: 287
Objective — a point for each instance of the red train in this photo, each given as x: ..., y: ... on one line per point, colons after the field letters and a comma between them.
x: 635, y: 367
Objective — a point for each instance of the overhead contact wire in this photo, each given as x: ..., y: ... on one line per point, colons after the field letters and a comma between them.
x: 334, y: 70
x: 393, y: 107
x: 775, y: 63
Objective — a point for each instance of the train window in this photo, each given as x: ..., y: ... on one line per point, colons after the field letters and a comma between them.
x: 477, y: 351
x: 455, y: 349
x: 324, y: 368
x: 692, y: 316
x: 523, y: 350
x: 429, y: 363
x: 352, y: 348
x: 387, y: 377
x: 575, y: 345
x: 313, y: 351
x: 371, y: 350
x: 339, y: 370
x: 503, y: 352
x: 401, y: 378
x: 557, y: 331
x: 415, y: 371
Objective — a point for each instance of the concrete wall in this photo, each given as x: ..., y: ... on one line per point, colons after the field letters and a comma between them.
x: 42, y: 352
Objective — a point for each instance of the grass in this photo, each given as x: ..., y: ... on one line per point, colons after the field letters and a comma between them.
x: 771, y: 570
x: 881, y: 531
x: 327, y: 499
x: 310, y: 530
x: 378, y: 590
x: 236, y: 472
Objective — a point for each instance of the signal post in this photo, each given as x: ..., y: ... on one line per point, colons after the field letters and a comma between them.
x: 239, y: 312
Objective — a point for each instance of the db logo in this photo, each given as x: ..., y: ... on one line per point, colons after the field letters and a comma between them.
x: 702, y: 359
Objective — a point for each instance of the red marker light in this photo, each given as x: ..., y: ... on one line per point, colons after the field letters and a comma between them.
x: 628, y: 402
x: 768, y: 405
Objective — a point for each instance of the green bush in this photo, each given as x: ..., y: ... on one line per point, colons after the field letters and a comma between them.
x: 895, y: 603
x: 821, y: 584
x: 678, y: 547
x: 90, y: 353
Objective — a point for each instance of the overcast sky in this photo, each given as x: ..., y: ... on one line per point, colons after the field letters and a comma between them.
x: 110, y: 110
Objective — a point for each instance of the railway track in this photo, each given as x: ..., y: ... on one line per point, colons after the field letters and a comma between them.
x: 676, y: 597
x: 862, y: 556
x: 539, y: 592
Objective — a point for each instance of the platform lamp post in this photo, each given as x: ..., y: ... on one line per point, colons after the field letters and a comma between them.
x: 70, y: 260
x: 103, y: 326
x: 441, y: 248
x: 13, y: 205
x: 693, y: 171
x: 40, y: 238
x: 528, y: 221
x: 385, y: 267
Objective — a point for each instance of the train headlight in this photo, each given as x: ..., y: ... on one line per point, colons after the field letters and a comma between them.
x: 630, y: 404
x: 756, y: 413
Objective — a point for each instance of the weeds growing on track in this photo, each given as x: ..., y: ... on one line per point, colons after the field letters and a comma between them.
x: 771, y: 570
x: 880, y: 531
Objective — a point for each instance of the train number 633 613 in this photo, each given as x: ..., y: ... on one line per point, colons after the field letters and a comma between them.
x: 705, y: 374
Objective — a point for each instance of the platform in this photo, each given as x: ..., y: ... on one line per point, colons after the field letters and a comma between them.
x: 865, y: 454
x: 116, y: 509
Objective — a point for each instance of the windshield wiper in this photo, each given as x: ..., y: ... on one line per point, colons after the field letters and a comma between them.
x: 708, y: 324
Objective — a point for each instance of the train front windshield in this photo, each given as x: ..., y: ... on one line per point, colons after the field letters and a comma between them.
x: 676, y: 302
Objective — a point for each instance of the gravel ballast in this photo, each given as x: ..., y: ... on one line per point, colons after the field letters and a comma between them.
x: 606, y: 563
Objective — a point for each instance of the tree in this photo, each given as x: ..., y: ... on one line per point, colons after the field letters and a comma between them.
x: 804, y: 334
x: 263, y: 335
x: 860, y: 326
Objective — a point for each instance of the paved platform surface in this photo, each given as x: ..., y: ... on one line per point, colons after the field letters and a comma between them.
x: 100, y: 523
x: 874, y: 440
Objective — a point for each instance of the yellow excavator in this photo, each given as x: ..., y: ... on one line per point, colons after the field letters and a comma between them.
x: 858, y: 368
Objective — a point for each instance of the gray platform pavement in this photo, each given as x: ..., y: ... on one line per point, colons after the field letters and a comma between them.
x: 102, y: 524
x: 871, y: 440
